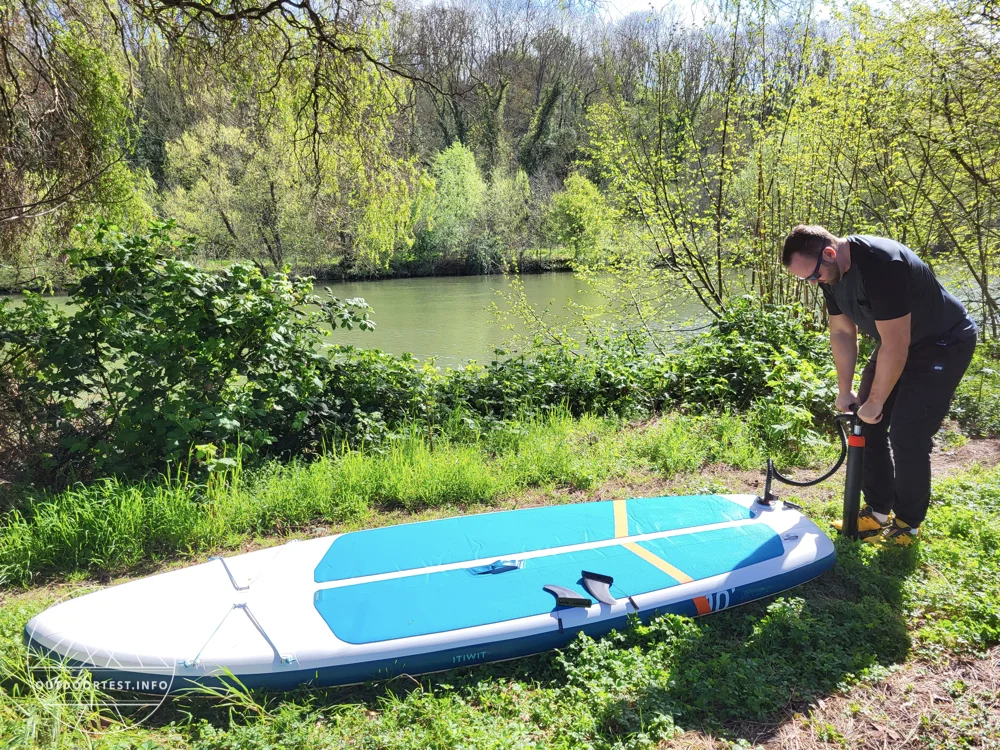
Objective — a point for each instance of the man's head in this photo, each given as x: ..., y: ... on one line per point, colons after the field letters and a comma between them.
x: 810, y: 254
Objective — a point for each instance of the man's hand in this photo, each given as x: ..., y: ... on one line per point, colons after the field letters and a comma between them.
x: 845, y: 401
x: 870, y: 411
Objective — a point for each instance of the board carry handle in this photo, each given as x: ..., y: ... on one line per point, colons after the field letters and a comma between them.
x: 599, y: 586
x: 567, y: 597
x: 497, y: 566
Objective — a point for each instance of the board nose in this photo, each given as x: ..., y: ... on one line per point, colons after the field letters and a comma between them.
x: 68, y: 635
x: 149, y: 627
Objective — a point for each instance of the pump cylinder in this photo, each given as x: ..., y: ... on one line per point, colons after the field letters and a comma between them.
x: 852, y: 482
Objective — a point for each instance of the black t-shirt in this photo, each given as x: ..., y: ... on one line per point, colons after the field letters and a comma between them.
x: 886, y: 281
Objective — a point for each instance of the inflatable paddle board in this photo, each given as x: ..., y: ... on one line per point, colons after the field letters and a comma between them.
x: 431, y: 596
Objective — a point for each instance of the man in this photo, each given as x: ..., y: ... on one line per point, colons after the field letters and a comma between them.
x: 925, y: 340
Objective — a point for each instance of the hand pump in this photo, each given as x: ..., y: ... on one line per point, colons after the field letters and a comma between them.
x: 852, y: 448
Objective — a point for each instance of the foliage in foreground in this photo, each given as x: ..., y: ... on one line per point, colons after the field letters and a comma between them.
x: 977, y: 401
x: 627, y: 690
x: 156, y: 357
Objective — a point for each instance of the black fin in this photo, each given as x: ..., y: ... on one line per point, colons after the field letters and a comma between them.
x: 567, y: 597
x: 599, y: 586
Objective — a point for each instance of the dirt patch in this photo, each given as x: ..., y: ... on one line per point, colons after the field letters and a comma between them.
x: 917, y: 706
x: 945, y: 460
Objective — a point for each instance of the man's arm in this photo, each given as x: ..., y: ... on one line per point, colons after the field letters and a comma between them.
x: 844, y: 345
x: 895, y: 335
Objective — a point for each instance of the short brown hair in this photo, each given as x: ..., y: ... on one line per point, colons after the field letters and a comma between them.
x: 807, y: 239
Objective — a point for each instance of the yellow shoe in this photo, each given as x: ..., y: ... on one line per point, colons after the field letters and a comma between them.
x: 868, y: 526
x: 900, y: 534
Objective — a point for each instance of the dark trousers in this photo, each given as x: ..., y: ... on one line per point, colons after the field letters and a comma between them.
x: 910, y: 417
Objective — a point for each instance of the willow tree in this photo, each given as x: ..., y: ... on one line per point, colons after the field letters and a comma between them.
x: 292, y: 174
x: 66, y: 127
x: 294, y: 156
x: 311, y: 81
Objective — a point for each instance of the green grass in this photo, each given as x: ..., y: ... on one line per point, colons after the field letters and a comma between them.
x: 873, y: 611
x: 113, y: 528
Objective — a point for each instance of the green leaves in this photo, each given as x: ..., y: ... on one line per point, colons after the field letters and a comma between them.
x: 158, y: 356
x: 579, y: 217
x: 455, y: 203
x: 976, y: 404
x: 755, y: 353
x: 347, y: 313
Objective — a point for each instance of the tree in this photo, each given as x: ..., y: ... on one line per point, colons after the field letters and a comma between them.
x: 238, y: 196
x: 457, y: 201
x: 578, y: 217
x: 66, y: 126
x: 285, y: 174
x: 505, y: 222
x: 952, y: 123
x: 669, y: 155
x: 313, y: 84
x: 895, y: 134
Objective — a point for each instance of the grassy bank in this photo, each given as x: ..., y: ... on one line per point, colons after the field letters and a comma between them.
x: 873, y: 612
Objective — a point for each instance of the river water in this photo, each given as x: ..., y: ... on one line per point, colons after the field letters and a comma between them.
x: 450, y: 318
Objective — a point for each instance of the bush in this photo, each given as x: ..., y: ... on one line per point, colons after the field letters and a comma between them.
x: 757, y: 360
x: 157, y: 357
x: 610, y: 378
x: 579, y: 217
x: 755, y: 353
x: 459, y: 192
x: 504, y: 227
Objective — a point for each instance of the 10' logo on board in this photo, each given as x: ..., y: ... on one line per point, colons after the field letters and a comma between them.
x: 719, y: 600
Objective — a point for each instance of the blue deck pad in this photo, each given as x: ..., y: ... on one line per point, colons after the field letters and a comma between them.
x: 647, y: 515
x: 708, y: 553
x: 454, y: 599
x: 450, y: 540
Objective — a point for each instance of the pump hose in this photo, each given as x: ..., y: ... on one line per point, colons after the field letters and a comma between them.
x: 839, y: 421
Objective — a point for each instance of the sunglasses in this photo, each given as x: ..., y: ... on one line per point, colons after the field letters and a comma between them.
x: 814, y: 276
